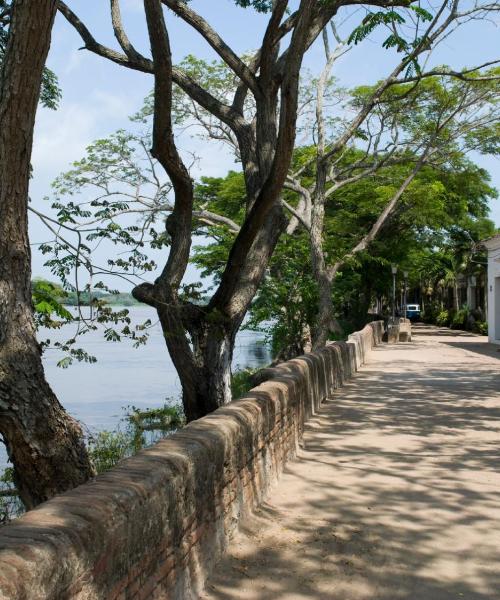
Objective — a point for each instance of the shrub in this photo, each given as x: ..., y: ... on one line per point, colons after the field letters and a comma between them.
x: 10, y: 504
x: 443, y: 318
x: 430, y: 313
x: 147, y: 426
x: 107, y: 448
x: 459, y: 319
x: 242, y: 382
x: 144, y: 428
x: 481, y: 327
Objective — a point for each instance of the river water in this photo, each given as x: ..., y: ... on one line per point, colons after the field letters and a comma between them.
x: 97, y: 394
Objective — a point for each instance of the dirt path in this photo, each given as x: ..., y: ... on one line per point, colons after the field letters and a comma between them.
x: 396, y: 494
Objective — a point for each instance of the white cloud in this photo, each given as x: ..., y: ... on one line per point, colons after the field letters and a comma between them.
x: 73, y: 62
x: 61, y: 136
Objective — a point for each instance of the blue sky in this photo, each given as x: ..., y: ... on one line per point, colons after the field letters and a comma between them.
x: 98, y: 96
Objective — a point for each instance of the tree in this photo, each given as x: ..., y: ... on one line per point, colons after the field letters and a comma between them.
x: 433, y: 121
x: 200, y: 338
x: 44, y: 444
x: 438, y: 209
x: 310, y: 209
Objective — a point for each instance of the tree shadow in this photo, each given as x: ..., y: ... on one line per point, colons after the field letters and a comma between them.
x: 422, y: 329
x: 395, y: 495
x: 482, y: 348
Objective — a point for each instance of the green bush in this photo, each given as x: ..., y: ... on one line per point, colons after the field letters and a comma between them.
x: 481, y: 327
x: 430, y: 313
x: 10, y: 504
x: 242, y: 382
x: 107, y: 448
x: 443, y: 318
x: 459, y: 319
x: 147, y: 426
x: 144, y: 428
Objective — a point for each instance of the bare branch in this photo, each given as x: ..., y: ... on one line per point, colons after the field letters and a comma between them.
x: 212, y: 218
x: 225, y: 113
x: 299, y: 215
x: 188, y: 15
x: 455, y: 74
x: 121, y: 36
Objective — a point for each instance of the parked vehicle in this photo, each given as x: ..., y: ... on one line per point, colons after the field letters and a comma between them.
x: 412, y: 312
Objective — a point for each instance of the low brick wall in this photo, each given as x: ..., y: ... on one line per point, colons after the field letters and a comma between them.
x: 398, y: 330
x: 154, y: 526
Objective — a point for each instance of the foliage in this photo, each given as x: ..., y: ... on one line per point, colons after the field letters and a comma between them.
x: 88, y: 298
x: 459, y: 319
x: 50, y: 92
x: 443, y: 319
x: 395, y: 22
x: 462, y: 319
x: 259, y: 5
x: 48, y: 302
x: 148, y: 425
x: 481, y: 327
x: 107, y: 448
x: 443, y: 208
x: 10, y: 504
x: 242, y: 381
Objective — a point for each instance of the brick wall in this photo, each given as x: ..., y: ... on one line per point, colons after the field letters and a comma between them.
x: 154, y: 526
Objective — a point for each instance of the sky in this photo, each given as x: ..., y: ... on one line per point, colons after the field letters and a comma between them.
x: 98, y: 96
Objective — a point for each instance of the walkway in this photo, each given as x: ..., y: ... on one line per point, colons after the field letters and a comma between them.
x: 397, y: 491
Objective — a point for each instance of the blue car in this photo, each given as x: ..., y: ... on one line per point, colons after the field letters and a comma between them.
x: 412, y: 312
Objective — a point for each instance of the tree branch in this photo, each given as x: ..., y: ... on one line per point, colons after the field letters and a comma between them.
x: 382, y: 218
x: 270, y: 190
x: 211, y: 218
x: 121, y: 36
x: 197, y: 22
x: 220, y: 110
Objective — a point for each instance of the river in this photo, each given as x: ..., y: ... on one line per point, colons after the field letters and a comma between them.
x: 97, y: 394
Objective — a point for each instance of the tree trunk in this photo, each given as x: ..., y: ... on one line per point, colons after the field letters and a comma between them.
x: 456, y: 301
x: 200, y: 340
x: 44, y: 444
x: 213, y: 350
x: 325, y: 322
x: 201, y: 348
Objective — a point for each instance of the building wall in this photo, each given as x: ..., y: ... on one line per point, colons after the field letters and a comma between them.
x: 494, y: 291
x: 155, y: 525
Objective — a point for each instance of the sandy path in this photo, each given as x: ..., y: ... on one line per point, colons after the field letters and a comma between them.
x: 396, y: 494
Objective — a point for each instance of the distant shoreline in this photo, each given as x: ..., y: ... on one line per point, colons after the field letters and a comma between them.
x: 121, y: 299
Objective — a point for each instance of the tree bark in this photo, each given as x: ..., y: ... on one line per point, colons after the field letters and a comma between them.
x: 325, y: 320
x: 200, y: 339
x: 44, y: 444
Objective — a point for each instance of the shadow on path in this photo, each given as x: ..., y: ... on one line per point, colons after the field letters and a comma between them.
x: 396, y: 493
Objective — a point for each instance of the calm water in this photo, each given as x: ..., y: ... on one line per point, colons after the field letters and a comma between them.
x: 96, y: 394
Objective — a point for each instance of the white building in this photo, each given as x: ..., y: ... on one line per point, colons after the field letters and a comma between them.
x: 493, y: 246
